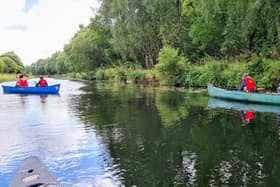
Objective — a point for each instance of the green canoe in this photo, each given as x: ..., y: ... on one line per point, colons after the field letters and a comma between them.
x: 237, y: 95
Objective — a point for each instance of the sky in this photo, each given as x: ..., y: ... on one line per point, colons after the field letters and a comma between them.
x: 36, y: 29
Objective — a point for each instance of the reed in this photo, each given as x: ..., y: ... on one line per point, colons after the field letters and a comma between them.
x: 5, y: 77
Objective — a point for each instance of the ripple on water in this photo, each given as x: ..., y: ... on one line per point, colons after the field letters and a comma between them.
x: 51, y: 130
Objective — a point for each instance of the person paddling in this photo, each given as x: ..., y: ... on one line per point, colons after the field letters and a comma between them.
x: 42, y: 82
x: 21, y: 81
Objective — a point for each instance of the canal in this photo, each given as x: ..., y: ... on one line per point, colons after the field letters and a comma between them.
x: 104, y: 134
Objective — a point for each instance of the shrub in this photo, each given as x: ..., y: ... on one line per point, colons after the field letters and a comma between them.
x: 152, y: 76
x: 233, y: 74
x: 171, y: 66
x: 109, y: 74
x: 121, y: 74
x: 191, y: 76
x: 269, y: 78
x: 100, y: 74
x: 136, y: 75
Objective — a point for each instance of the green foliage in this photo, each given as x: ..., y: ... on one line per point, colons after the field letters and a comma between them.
x: 265, y: 71
x: 90, y: 48
x: 136, y: 75
x: 152, y: 76
x: 220, y: 73
x: 56, y: 64
x: 212, y: 72
x: 100, y: 74
x: 229, y: 37
x: 121, y: 74
x: 171, y: 66
x: 7, y: 77
x: 12, y: 55
x: 10, y: 63
x: 109, y: 74
x: 190, y: 77
x: 233, y: 74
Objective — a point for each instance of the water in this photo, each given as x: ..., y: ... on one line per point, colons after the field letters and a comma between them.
x: 119, y: 135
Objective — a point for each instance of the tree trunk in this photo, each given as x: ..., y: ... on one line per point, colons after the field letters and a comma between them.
x: 277, y: 21
x: 151, y: 61
x: 148, y: 59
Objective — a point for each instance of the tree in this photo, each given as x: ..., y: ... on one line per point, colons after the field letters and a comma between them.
x: 90, y: 48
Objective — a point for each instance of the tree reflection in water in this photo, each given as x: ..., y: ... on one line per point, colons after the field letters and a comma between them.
x: 169, y: 138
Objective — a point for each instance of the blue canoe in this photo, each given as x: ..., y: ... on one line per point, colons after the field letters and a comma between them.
x: 53, y: 89
x: 251, y: 97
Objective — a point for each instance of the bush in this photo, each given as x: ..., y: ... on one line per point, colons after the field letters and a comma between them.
x: 234, y: 73
x: 151, y: 76
x: 269, y: 78
x: 136, y: 75
x: 191, y: 76
x: 121, y: 74
x: 109, y: 74
x: 171, y: 66
x: 100, y: 74
x: 216, y: 72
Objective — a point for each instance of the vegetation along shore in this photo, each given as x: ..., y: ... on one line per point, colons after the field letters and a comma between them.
x: 179, y: 43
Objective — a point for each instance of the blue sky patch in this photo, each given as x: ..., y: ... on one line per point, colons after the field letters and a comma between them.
x: 29, y: 4
x: 17, y: 27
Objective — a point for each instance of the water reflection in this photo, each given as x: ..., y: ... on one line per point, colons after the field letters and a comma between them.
x: 136, y: 136
x: 247, y: 116
x: 169, y: 138
x: 46, y: 126
x: 242, y: 106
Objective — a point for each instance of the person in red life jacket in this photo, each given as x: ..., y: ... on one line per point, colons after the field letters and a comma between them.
x: 21, y: 81
x: 247, y: 84
x: 42, y: 82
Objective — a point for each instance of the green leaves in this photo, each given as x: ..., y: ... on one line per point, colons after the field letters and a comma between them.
x: 171, y: 66
x: 10, y: 63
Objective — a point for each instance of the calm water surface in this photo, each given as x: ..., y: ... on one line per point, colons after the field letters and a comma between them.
x: 118, y: 135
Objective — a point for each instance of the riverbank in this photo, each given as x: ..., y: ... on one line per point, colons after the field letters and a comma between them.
x: 5, y: 77
x: 222, y: 73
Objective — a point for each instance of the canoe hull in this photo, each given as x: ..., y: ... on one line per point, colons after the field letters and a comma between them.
x: 243, y: 96
x: 54, y: 89
x: 33, y: 172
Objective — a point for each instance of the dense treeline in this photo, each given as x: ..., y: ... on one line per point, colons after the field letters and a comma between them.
x: 195, y: 38
x: 10, y: 63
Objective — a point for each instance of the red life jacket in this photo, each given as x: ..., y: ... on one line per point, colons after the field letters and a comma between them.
x: 43, y: 83
x: 23, y: 82
x: 249, y: 115
x: 250, y: 84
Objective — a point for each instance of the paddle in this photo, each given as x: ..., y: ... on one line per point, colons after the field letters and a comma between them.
x: 260, y: 89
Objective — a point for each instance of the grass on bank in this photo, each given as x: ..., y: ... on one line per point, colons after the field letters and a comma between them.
x: 175, y: 70
x: 5, y: 77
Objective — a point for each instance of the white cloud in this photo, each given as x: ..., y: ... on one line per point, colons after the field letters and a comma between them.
x: 44, y: 29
